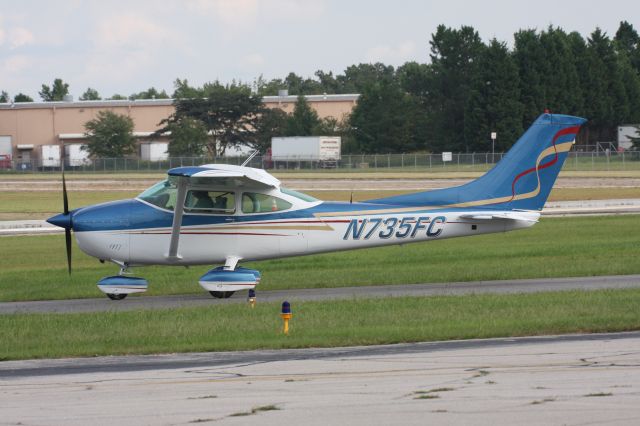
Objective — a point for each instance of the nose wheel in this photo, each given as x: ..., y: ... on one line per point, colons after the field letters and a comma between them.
x: 116, y: 296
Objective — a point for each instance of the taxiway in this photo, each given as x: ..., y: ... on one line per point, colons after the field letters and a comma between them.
x: 571, y: 379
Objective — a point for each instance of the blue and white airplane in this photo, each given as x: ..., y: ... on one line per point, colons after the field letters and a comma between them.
x: 222, y: 214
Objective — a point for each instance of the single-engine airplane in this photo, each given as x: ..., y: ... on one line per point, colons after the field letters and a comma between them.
x: 223, y: 214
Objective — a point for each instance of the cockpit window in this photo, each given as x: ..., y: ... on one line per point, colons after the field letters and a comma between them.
x: 162, y: 194
x: 300, y: 195
x: 210, y: 202
x: 253, y: 202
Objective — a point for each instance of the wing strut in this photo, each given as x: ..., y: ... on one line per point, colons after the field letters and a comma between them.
x: 177, y: 219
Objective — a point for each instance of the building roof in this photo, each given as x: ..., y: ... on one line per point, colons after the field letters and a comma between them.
x: 313, y: 98
x: 162, y: 102
x: 70, y: 136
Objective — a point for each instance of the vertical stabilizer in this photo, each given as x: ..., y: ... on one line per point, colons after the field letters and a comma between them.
x: 522, y: 180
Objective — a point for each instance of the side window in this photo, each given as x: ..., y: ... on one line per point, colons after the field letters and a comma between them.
x: 212, y: 202
x: 253, y: 202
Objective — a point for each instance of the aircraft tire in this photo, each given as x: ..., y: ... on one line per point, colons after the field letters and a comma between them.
x: 222, y: 294
x: 116, y: 296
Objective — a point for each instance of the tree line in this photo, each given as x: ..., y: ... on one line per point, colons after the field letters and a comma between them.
x: 452, y: 102
x: 219, y: 117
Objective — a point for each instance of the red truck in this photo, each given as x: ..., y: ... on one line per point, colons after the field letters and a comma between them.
x: 5, y: 161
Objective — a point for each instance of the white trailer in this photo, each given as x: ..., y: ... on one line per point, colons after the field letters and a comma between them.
x: 6, y: 149
x: 76, y: 156
x: 306, y: 148
x: 154, y: 151
x: 50, y: 155
x: 625, y: 132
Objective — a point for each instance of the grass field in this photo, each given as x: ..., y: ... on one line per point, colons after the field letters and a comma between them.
x: 317, y: 324
x: 16, y: 205
x: 34, y: 268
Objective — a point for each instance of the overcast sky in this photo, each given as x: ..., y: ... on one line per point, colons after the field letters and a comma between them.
x: 124, y: 47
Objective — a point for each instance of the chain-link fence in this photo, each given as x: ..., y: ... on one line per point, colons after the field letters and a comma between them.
x: 456, y: 162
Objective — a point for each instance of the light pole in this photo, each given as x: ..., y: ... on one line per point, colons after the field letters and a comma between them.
x: 493, y: 146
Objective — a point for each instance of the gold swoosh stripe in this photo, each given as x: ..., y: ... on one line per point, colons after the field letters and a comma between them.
x: 563, y: 147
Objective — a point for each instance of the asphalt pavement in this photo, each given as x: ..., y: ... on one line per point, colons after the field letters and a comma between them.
x: 137, y: 302
x: 571, y: 379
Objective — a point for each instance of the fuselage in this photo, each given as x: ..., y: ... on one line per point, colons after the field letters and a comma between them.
x: 137, y: 232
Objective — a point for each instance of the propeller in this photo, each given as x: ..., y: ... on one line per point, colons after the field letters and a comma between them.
x: 67, y: 230
x: 64, y: 220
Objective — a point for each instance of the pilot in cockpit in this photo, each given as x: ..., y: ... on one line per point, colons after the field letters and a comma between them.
x: 202, y: 200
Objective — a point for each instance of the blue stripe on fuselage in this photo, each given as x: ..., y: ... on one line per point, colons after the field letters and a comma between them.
x: 134, y: 214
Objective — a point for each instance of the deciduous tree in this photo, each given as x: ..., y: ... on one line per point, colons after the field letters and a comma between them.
x: 90, y: 95
x: 110, y: 135
x: 271, y: 123
x: 21, y: 97
x: 150, y: 93
x: 56, y: 92
x: 230, y: 113
x: 188, y: 138
x: 182, y: 90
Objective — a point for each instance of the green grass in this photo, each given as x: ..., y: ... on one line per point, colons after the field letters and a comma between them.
x: 317, y: 324
x: 34, y: 268
x: 50, y: 202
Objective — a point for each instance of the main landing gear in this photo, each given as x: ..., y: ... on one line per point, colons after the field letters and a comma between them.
x: 222, y: 282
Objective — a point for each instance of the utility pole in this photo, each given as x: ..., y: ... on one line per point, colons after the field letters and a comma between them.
x: 494, y: 135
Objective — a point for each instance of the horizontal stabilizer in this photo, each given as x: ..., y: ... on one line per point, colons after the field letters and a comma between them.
x: 520, y: 216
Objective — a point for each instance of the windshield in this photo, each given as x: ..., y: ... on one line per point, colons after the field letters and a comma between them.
x: 162, y: 194
x: 300, y: 195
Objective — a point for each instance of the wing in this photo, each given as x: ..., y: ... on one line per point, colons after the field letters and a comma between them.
x: 227, y: 175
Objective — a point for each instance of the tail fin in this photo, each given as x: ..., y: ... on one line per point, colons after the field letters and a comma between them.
x: 522, y: 180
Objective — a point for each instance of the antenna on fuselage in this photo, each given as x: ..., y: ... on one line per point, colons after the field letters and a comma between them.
x: 250, y: 157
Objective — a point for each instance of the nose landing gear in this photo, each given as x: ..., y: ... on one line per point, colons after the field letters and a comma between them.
x: 117, y: 287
